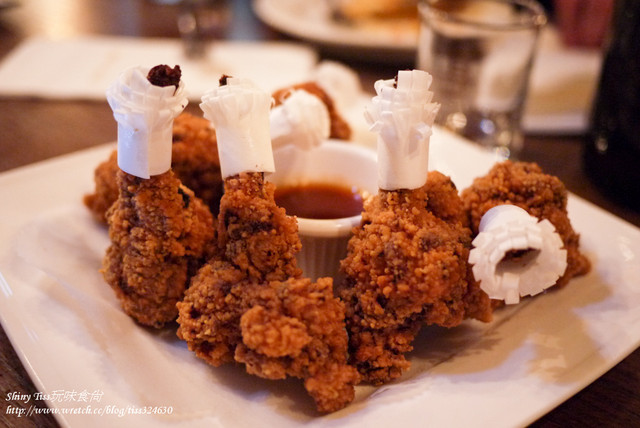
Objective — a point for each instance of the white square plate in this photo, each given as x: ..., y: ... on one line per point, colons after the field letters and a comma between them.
x: 71, y: 335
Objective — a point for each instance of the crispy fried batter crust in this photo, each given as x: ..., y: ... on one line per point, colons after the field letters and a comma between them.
x: 160, y: 235
x: 255, y: 234
x: 106, y: 188
x: 277, y: 329
x: 541, y: 195
x: 194, y: 158
x: 407, y: 267
x: 249, y: 304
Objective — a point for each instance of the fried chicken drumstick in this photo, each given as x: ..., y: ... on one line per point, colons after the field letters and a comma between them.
x: 407, y: 264
x: 543, y: 196
x: 406, y: 267
x: 160, y: 232
x: 250, y: 304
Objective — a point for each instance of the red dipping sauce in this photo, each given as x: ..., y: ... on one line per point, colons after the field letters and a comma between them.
x: 319, y: 201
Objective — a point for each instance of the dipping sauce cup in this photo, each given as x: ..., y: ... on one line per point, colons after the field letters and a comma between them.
x: 334, y: 164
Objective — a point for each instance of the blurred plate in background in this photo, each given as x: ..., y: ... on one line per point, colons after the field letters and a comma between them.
x: 311, y: 20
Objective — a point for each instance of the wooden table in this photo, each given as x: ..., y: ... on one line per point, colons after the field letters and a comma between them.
x: 28, y: 127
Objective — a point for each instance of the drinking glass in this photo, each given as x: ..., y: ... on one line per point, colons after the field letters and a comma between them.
x: 480, y: 54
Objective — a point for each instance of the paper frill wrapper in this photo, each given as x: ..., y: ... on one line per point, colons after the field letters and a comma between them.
x: 507, y: 228
x: 402, y: 114
x: 301, y: 120
x: 341, y: 82
x: 240, y: 114
x: 145, y: 114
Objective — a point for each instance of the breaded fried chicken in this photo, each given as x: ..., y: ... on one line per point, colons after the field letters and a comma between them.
x: 340, y: 128
x: 406, y: 267
x: 256, y: 242
x: 251, y: 305
x: 277, y: 329
x: 194, y: 158
x: 160, y: 235
x: 444, y: 202
x: 106, y: 188
x: 541, y: 195
x: 194, y: 161
x: 254, y: 234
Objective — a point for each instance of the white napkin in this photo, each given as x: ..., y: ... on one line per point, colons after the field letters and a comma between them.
x: 84, y: 67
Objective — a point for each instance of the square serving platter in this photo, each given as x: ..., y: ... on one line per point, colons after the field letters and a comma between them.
x: 74, y: 340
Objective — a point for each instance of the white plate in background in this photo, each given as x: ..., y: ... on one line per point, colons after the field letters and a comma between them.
x: 310, y: 20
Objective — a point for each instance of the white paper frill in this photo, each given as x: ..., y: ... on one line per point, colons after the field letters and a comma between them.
x: 402, y: 114
x: 240, y: 114
x: 145, y: 114
x: 301, y: 120
x: 341, y: 82
x: 506, y: 228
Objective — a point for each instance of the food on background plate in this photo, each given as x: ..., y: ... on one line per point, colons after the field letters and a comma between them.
x: 250, y: 303
x: 377, y: 14
x: 160, y: 231
x: 358, y: 9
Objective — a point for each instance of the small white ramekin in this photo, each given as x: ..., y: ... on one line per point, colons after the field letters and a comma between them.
x: 324, y: 242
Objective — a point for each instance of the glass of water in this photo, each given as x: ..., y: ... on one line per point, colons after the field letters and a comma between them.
x: 480, y: 53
